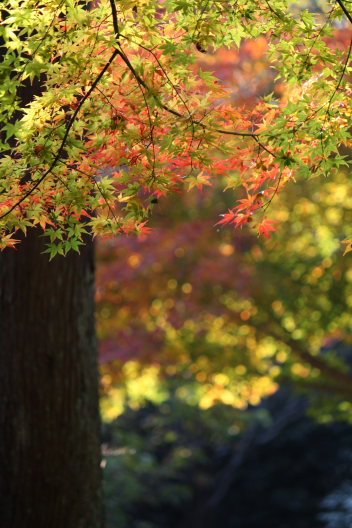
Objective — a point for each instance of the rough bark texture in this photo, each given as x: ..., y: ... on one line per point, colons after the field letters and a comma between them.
x: 49, y: 419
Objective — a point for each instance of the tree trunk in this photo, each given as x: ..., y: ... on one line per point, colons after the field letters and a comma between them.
x: 49, y: 419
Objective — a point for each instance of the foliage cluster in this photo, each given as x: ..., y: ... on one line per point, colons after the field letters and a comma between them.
x: 125, y: 116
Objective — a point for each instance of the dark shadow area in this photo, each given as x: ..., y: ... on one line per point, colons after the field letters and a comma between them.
x: 174, y: 465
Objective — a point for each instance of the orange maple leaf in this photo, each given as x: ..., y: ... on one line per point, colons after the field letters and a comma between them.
x: 266, y: 227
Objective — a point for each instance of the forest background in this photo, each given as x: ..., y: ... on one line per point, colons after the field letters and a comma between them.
x: 197, y: 316
x: 210, y: 319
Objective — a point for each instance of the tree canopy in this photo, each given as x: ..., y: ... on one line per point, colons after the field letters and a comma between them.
x: 126, y: 114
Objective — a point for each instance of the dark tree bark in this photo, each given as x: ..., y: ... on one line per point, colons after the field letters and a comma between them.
x: 49, y: 419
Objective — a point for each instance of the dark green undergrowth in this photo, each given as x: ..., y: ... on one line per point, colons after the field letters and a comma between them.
x: 177, y: 466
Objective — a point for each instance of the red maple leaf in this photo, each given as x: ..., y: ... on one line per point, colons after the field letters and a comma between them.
x: 266, y: 226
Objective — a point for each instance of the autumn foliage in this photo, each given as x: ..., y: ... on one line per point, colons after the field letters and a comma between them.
x: 127, y: 114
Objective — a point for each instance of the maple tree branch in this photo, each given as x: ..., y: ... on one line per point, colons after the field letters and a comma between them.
x: 262, y: 146
x: 327, y: 113
x: 199, y: 19
x: 276, y: 190
x: 341, y: 76
x: 168, y: 79
x: 316, y: 38
x: 64, y: 139
x: 175, y: 112
x: 115, y: 20
x: 345, y: 10
x: 273, y: 10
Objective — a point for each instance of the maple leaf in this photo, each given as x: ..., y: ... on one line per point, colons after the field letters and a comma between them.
x: 246, y: 203
x: 228, y: 218
x: 266, y: 227
x: 143, y: 229
x: 349, y: 245
x: 199, y: 181
x: 8, y: 241
x: 243, y: 219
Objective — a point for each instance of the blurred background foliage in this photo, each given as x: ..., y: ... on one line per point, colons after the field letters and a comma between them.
x: 222, y: 316
x: 217, y: 347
